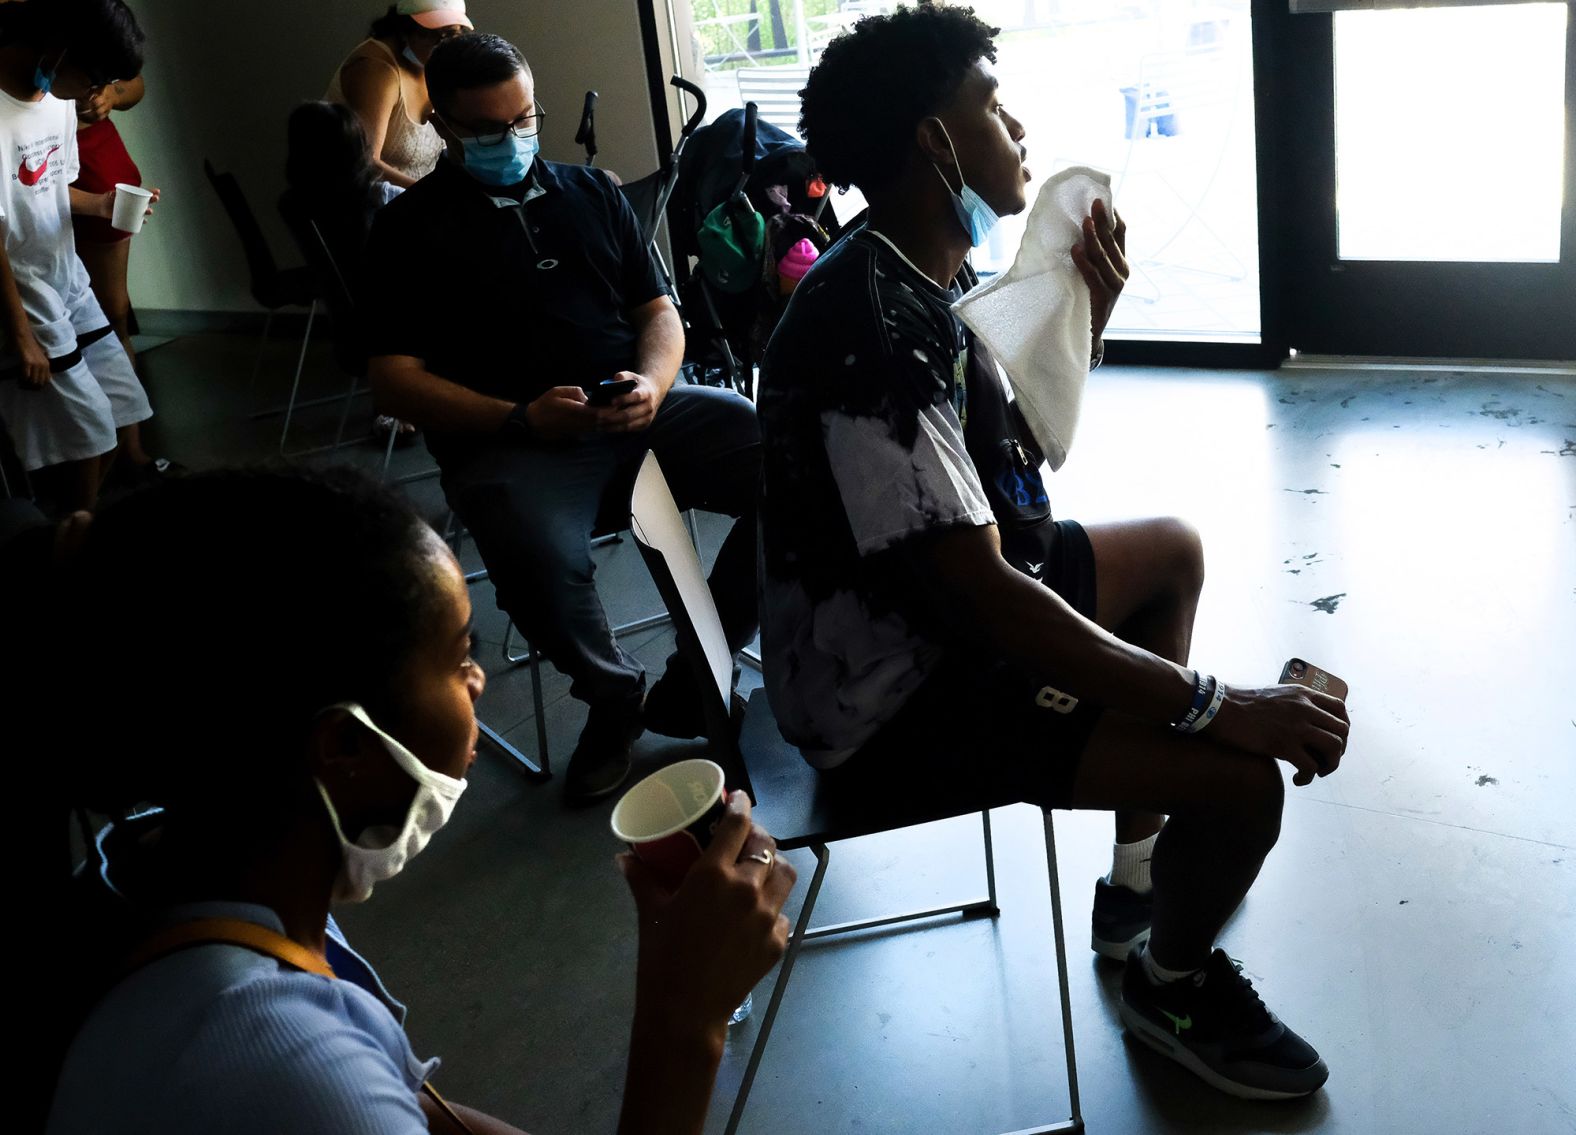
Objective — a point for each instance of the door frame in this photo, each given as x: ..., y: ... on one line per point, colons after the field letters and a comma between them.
x: 1319, y: 304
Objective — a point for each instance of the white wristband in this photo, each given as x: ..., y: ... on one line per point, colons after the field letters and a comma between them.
x: 1213, y: 708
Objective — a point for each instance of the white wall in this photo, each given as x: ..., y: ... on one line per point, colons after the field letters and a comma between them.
x: 222, y: 77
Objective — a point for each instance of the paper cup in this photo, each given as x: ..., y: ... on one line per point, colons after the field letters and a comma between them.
x: 131, y: 207
x: 667, y: 819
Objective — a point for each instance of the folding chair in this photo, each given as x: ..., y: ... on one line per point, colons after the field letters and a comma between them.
x: 541, y: 768
x: 335, y: 294
x: 788, y: 796
x: 272, y: 287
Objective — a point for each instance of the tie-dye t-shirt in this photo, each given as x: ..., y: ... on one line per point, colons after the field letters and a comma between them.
x: 862, y: 450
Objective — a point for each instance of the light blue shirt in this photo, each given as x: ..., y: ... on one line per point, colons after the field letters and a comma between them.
x: 219, y: 1038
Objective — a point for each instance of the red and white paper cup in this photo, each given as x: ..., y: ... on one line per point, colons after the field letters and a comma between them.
x: 667, y: 819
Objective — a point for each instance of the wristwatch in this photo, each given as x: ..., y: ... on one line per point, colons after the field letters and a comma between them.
x: 517, y: 426
x: 1097, y: 356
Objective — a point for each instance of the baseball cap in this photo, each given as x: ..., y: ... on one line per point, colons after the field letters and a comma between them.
x: 435, y: 13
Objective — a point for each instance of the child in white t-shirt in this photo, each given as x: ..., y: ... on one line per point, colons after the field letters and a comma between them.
x: 66, y: 383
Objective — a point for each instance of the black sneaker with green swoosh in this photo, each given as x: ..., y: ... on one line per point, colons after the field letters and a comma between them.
x: 1216, y: 1026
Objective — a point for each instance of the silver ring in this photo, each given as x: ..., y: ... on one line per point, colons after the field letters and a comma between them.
x: 766, y: 856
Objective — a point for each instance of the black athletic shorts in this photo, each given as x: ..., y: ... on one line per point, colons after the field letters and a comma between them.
x: 982, y: 730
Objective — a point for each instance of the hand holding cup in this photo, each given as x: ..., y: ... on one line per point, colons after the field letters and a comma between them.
x: 131, y: 205
x: 706, y: 942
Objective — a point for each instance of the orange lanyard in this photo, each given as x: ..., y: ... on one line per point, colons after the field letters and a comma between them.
x: 230, y: 932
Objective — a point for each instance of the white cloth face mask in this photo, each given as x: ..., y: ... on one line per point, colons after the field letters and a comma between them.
x: 380, y: 852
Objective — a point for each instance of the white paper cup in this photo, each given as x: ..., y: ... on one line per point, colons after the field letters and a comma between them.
x: 131, y: 207
x: 667, y: 818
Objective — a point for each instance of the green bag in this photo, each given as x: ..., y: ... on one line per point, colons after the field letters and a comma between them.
x: 731, y: 239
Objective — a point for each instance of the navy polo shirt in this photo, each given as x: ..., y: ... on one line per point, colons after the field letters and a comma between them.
x: 508, y: 298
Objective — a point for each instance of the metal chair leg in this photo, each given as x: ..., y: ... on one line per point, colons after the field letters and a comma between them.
x: 295, y: 386
x: 795, y: 943
x: 388, y: 457
x: 802, y: 933
x: 1077, y: 1122
x: 512, y: 658
x: 532, y: 769
x: 990, y: 860
x: 534, y: 658
x: 541, y: 713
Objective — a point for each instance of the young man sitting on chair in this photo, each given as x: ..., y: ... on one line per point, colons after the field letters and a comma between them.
x: 500, y: 293
x: 925, y: 628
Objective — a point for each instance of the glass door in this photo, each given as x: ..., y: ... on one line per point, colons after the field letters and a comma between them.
x: 1426, y: 196
x: 1158, y: 93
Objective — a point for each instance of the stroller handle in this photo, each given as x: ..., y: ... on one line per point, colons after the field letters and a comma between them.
x: 694, y: 92
x: 751, y: 113
x: 586, y: 134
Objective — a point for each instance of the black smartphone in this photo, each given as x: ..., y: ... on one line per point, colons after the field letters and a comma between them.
x: 603, y: 393
x: 1305, y: 674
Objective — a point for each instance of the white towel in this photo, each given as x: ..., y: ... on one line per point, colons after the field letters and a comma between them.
x: 1034, y: 317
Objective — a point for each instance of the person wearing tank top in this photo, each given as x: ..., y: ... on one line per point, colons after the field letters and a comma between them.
x: 383, y: 80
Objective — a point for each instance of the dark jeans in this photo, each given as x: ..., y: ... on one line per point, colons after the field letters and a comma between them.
x: 532, y: 510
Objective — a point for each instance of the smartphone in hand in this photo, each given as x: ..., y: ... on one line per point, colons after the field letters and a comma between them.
x: 1301, y: 673
x: 603, y: 393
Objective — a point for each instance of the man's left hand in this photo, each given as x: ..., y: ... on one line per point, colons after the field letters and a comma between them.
x: 1102, y: 258
x: 632, y: 412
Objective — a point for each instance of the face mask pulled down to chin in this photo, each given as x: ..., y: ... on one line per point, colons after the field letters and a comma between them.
x: 380, y: 852
x: 976, y: 217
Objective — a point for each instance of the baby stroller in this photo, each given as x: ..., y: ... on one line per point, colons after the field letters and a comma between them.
x: 747, y: 193
x: 708, y: 355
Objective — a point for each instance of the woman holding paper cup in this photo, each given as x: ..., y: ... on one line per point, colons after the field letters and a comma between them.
x: 104, y: 235
x: 110, y: 186
x: 283, y: 790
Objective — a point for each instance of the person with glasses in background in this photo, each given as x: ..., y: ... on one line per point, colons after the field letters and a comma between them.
x: 537, y: 350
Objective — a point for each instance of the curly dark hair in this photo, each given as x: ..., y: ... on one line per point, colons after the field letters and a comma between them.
x: 875, y: 84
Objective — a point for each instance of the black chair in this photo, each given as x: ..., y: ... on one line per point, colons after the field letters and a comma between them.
x: 334, y: 292
x: 789, y: 795
x: 272, y: 287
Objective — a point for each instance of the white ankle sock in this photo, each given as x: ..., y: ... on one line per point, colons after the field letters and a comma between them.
x: 1159, y: 974
x: 1130, y: 865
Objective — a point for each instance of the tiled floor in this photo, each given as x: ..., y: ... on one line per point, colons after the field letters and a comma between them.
x: 1414, y: 532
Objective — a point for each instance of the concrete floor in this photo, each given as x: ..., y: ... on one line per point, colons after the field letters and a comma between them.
x: 1412, y: 531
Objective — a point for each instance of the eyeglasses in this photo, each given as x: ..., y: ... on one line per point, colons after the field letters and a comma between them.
x: 526, y: 126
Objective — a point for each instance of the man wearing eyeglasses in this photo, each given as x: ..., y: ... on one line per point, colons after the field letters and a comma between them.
x: 501, y: 294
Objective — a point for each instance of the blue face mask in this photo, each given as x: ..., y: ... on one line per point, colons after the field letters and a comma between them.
x: 45, y: 80
x: 976, y: 217
x: 506, y: 163
x: 411, y: 55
